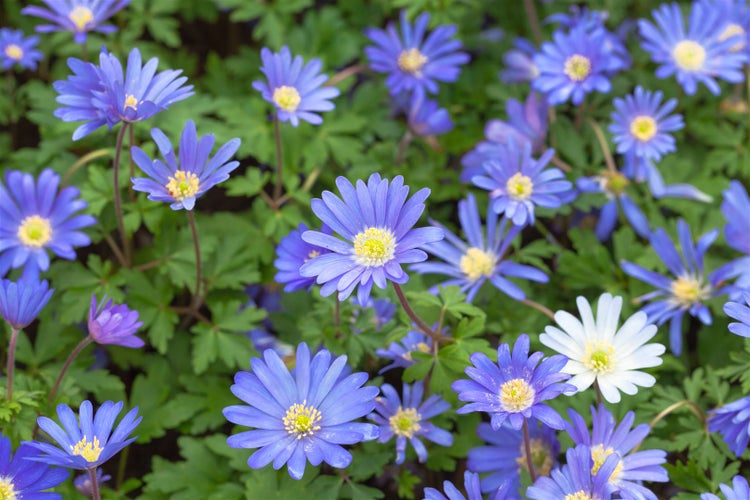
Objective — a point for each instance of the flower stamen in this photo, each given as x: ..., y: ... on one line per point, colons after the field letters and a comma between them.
x: 599, y: 356
x: 183, y: 185
x: 540, y: 457
x: 516, y: 395
x: 301, y: 420
x: 476, y: 263
x: 7, y: 492
x: 35, y: 231
x: 405, y: 422
x: 286, y: 98
x: 577, y: 67
x: 643, y: 128
x: 599, y: 455
x: 89, y: 450
x: 519, y: 187
x: 411, y: 61
x: 689, y: 55
x: 81, y: 16
x: 374, y: 247
x: 14, y: 52
x: 687, y: 290
x: 130, y: 102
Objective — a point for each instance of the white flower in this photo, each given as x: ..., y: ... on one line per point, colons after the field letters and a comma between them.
x: 596, y: 350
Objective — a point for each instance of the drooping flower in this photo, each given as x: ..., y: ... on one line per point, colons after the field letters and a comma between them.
x: 599, y: 352
x: 640, y: 169
x: 574, y: 480
x: 179, y: 180
x: 301, y: 416
x: 291, y: 254
x: 426, y: 118
x: 15, y: 48
x: 481, y: 260
x: 23, y: 479
x: 732, y: 421
x: 735, y: 207
x: 294, y: 88
x: 471, y: 486
x: 77, y: 16
x: 739, y: 490
x: 741, y: 313
x: 410, y: 420
x: 512, y: 390
x: 415, y: 62
x: 519, y: 63
x: 88, y: 441
x: 375, y: 221
x: 696, y: 54
x: 22, y: 301
x: 36, y: 218
x: 113, y: 324
x: 609, y: 439
x: 83, y: 482
x: 400, y: 353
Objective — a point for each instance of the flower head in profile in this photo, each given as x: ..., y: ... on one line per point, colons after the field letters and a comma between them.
x: 376, y: 223
x: 88, y: 441
x: 113, y: 324
x: 735, y: 207
x: 513, y: 389
x: 519, y: 63
x: 400, y: 353
x: 741, y: 313
x: 732, y: 421
x: 15, y: 48
x: 291, y: 254
x: 181, y: 179
x: 426, y: 118
x: 21, y: 478
x: 414, y: 60
x: 739, y: 490
x: 77, y: 16
x: 36, y: 218
x: 294, y: 88
x: 83, y: 482
x: 471, y: 486
x: 302, y: 416
x: 574, y: 480
x: 22, y: 301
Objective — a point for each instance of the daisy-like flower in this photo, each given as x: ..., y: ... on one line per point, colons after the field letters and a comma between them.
x: 186, y: 177
x: 696, y: 54
x: 21, y: 478
x: 400, y: 352
x: 301, y: 416
x: 505, y: 456
x: 113, y: 324
x: 732, y: 421
x: 375, y: 220
x: 599, y: 352
x: 88, y: 441
x: 574, y: 480
x: 519, y: 63
x: 512, y: 390
x: 736, y: 17
x: 740, y: 490
x: 415, y: 62
x: 609, y: 439
x: 481, y: 260
x: 471, y: 486
x: 741, y: 313
x: 77, y: 16
x: 15, y: 48
x: 22, y: 301
x: 36, y: 218
x: 294, y: 88
x: 640, y: 123
x: 291, y: 254
x: 687, y: 290
x: 408, y: 421
x: 517, y: 182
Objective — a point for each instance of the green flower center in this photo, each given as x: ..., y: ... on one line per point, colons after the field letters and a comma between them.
x: 577, y: 67
x: 14, y: 52
x: 34, y: 231
x: 516, y: 395
x: 688, y: 290
x: 643, y: 128
x: 405, y: 422
x: 476, y: 263
x: 81, y: 16
x: 615, y: 182
x: 374, y: 247
x: 90, y: 451
x: 540, y: 457
x: 301, y: 420
x: 599, y: 356
x: 286, y: 98
x: 411, y: 61
x: 519, y: 187
x: 689, y: 55
x: 599, y: 455
x: 183, y: 185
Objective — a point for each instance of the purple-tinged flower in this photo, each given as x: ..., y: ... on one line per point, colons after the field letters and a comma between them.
x: 114, y: 324
x: 735, y: 207
x: 291, y: 254
x: 481, y: 260
x: 732, y: 421
x: 471, y: 485
x: 426, y: 118
x: 17, y: 49
x: 687, y: 291
x: 383, y: 311
x: 22, y: 301
x: 301, y: 416
x: 696, y: 54
x: 642, y: 169
x: 77, y: 16
x: 88, y: 441
x: 375, y: 221
x: 517, y: 182
x: 415, y: 63
x: 504, y: 457
x: 519, y: 63
x: 23, y: 479
x: 641, y: 124
x: 294, y: 88
x: 607, y: 439
x: 400, y: 353
x: 740, y: 490
x: 574, y: 479
x: 735, y: 15
x: 409, y: 420
x: 512, y: 390
x: 186, y: 177
x: 36, y: 218
x: 262, y: 340
x: 83, y: 482
x: 741, y: 313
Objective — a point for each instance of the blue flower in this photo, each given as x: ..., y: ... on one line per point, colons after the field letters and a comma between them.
x: 36, y: 218
x: 517, y: 182
x: 22, y: 301
x: 512, y: 390
x: 291, y: 254
x: 400, y: 352
x: 17, y: 49
x: 301, y: 416
x: 415, y: 63
x: 77, y: 16
x: 574, y: 479
x: 471, y: 485
x: 88, y: 441
x: 613, y: 185
x: 741, y: 313
x: 426, y: 118
x: 21, y: 478
x: 519, y: 63
x: 696, y: 54
x: 736, y: 22
x: 409, y: 421
x: 735, y: 207
x: 294, y: 88
x: 481, y: 260
x: 83, y: 482
x: 732, y: 421
x: 642, y: 169
x: 185, y: 177
x: 375, y: 220
x: 740, y: 490
x: 113, y: 324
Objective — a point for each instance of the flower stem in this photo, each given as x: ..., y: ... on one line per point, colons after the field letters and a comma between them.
x: 73, y: 354
x: 337, y: 318
x: 11, y: 361
x: 598, y: 392
x: 198, y: 274
x: 118, y: 200
x: 527, y: 448
x: 95, y: 495
x: 279, y: 160
x: 131, y: 191
x: 694, y: 409
x: 536, y: 30
x: 412, y: 315
x: 402, y: 145
x: 345, y: 73
x: 603, y: 144
x: 539, y: 307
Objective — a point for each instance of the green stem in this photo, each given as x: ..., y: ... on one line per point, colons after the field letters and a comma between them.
x: 198, y: 274
x: 603, y: 144
x: 527, y: 448
x: 279, y: 160
x: 11, y: 361
x: 118, y: 200
x: 539, y: 307
x: 73, y: 354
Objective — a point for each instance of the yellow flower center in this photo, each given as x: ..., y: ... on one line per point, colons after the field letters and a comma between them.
x: 301, y: 420
x: 731, y: 30
x: 599, y: 356
x: 577, y: 67
x: 643, y: 128
x: 614, y: 182
x: 90, y: 451
x: 81, y: 16
x: 689, y: 55
x: 540, y: 457
x: 578, y: 495
x: 311, y: 255
x: 411, y: 61
x: 14, y: 52
x: 34, y: 231
x: 183, y: 185
x: 286, y: 98
x: 688, y: 290
x: 131, y: 102
x: 7, y: 492
x: 405, y: 422
x: 374, y: 247
x: 519, y: 187
x: 516, y: 395
x: 476, y: 263
x: 599, y: 455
